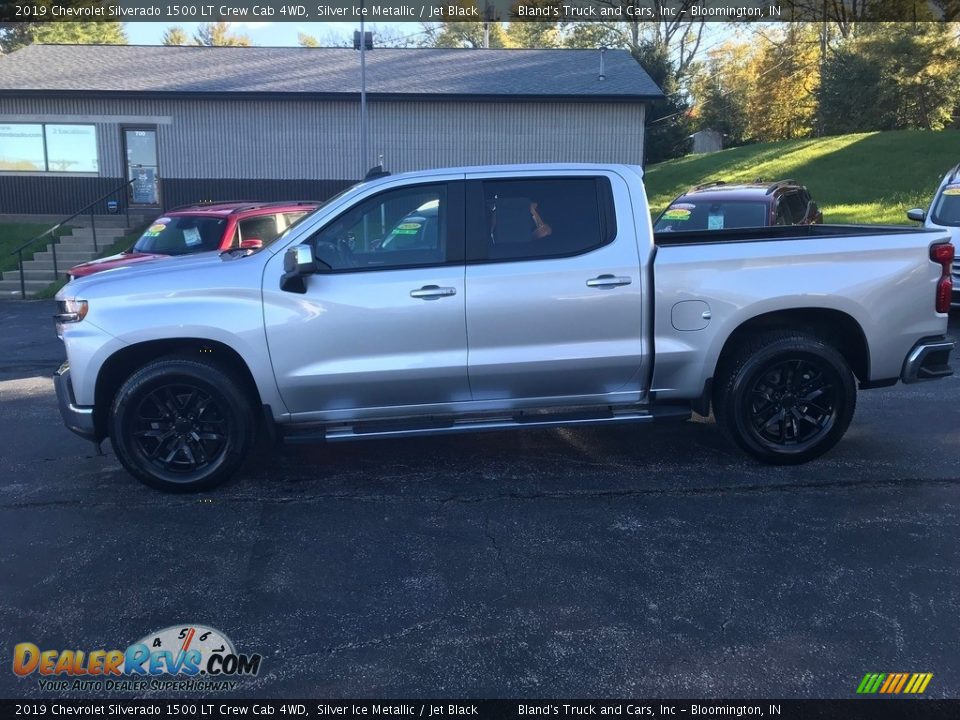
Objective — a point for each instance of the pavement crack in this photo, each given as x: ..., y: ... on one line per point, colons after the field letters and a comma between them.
x: 495, y: 545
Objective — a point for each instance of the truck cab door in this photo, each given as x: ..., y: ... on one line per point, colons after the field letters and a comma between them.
x: 553, y: 287
x: 383, y: 324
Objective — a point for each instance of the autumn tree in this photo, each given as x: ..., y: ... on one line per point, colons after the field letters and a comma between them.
x: 14, y: 36
x: 175, y: 35
x: 218, y: 34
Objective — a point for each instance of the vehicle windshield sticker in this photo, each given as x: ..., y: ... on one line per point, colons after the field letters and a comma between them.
x: 155, y: 229
x: 409, y: 228
x: 683, y: 206
x: 714, y: 222
x: 677, y: 214
x: 161, y: 221
x: 952, y: 190
x: 191, y: 236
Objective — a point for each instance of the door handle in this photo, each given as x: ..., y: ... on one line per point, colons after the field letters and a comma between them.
x: 603, y: 281
x: 432, y: 292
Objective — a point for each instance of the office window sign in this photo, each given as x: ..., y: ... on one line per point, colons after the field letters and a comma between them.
x: 21, y: 147
x: 48, y: 147
x: 144, y: 187
x: 71, y: 148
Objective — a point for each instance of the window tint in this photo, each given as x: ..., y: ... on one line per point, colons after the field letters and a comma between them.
x: 540, y: 218
x: 181, y: 235
x: 688, y: 215
x: 796, y: 207
x: 398, y: 228
x: 264, y: 228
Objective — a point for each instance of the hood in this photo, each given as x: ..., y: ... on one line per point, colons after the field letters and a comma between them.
x: 113, y: 261
x: 167, y: 272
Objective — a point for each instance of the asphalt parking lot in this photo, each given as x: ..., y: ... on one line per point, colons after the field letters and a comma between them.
x: 606, y: 562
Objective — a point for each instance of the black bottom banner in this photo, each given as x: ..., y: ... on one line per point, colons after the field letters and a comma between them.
x: 859, y: 709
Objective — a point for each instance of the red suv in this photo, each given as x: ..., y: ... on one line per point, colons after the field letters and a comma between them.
x: 201, y: 228
x: 719, y: 206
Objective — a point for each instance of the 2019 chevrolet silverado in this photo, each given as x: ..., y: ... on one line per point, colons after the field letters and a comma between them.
x: 526, y: 296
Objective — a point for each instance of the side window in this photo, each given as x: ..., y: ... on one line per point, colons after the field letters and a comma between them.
x: 783, y: 215
x: 288, y: 219
x: 406, y: 227
x: 539, y: 218
x: 796, y: 207
x: 264, y: 228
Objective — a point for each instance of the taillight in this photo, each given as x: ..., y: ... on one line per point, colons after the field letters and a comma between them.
x: 942, y: 254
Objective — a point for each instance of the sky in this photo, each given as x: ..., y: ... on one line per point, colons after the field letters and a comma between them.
x: 266, y: 33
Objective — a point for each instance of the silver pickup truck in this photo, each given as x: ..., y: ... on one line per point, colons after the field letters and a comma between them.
x: 493, y: 298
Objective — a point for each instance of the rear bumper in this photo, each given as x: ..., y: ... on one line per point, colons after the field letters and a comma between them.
x: 77, y: 419
x: 928, y: 360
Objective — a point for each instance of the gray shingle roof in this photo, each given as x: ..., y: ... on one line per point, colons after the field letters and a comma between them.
x: 139, y: 68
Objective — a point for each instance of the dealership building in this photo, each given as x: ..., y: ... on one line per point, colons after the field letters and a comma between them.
x: 257, y: 123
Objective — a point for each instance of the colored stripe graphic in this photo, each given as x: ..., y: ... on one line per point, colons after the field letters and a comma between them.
x: 894, y: 683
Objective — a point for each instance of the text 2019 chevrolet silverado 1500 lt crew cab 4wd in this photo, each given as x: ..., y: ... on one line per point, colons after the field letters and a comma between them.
x: 492, y: 298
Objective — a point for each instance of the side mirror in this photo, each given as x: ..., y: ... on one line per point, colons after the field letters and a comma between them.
x: 917, y: 215
x: 251, y: 244
x: 298, y: 262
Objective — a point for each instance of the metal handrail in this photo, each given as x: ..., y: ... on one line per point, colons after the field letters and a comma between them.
x: 56, y: 238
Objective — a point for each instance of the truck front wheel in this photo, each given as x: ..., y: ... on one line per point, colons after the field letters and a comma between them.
x: 785, y: 397
x: 181, y: 425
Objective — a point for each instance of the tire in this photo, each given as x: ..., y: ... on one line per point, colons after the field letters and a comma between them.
x: 181, y: 425
x: 785, y: 397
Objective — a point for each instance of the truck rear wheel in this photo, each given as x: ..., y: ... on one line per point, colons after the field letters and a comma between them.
x: 785, y: 397
x: 181, y: 425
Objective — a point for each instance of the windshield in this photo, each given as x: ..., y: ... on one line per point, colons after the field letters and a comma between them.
x: 946, y: 208
x: 182, y: 235
x: 686, y: 216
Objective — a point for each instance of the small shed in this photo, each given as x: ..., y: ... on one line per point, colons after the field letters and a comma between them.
x: 706, y: 141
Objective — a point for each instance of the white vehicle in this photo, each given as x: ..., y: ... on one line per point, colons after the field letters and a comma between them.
x: 944, y: 214
x: 494, y: 298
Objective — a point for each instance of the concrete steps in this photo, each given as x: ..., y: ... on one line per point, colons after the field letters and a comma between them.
x: 71, y: 250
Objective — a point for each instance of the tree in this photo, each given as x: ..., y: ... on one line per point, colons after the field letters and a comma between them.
x: 891, y: 76
x: 175, y: 35
x: 14, y: 36
x: 218, y: 34
x: 782, y: 102
x: 462, y: 35
x: 668, y: 124
x: 720, y: 88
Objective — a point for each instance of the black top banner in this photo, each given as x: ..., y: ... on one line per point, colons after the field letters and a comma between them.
x: 437, y: 709
x: 353, y: 11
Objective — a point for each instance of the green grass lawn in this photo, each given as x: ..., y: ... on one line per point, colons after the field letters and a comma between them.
x: 12, y: 235
x: 864, y: 178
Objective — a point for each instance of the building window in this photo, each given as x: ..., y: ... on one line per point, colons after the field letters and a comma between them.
x: 21, y: 148
x: 48, y: 147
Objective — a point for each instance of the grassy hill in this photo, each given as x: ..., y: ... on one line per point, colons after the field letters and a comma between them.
x: 864, y: 178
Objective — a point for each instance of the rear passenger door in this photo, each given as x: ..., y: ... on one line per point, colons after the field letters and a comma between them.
x: 553, y: 288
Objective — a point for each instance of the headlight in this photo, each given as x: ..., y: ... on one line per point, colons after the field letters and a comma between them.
x: 70, y: 310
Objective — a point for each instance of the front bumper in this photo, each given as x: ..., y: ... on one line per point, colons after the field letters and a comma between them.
x: 928, y: 360
x: 77, y: 419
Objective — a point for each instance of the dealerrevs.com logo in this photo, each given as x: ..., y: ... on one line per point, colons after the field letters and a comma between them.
x: 180, y: 657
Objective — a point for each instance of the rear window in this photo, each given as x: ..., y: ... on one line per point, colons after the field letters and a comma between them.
x: 182, y: 235
x: 946, y: 208
x: 686, y: 216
